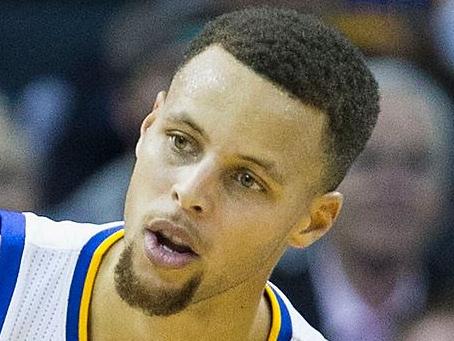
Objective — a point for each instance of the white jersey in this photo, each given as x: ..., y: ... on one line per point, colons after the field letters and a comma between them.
x: 47, y: 273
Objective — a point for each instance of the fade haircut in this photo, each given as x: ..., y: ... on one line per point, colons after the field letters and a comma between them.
x: 311, y: 62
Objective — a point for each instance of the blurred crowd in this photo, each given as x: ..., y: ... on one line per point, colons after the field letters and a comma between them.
x: 78, y: 78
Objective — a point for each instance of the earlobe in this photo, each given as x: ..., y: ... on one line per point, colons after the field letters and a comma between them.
x: 324, y: 211
x: 148, y: 121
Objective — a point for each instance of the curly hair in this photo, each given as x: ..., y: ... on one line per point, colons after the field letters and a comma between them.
x: 311, y: 62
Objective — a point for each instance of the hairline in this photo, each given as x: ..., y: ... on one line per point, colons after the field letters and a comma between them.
x: 325, y: 138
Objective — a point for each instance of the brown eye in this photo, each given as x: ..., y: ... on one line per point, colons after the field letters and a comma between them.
x: 180, y: 142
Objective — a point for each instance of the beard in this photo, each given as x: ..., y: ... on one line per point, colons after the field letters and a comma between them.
x: 152, y: 301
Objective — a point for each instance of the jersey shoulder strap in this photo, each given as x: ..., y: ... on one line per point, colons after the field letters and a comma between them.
x: 292, y: 325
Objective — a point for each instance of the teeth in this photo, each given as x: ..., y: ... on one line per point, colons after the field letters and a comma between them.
x: 172, y: 243
x: 165, y: 247
x: 176, y: 240
x: 173, y: 239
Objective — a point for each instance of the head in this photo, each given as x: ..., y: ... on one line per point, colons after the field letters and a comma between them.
x: 394, y: 191
x: 244, y: 151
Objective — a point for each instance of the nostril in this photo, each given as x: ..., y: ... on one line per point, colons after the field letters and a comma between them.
x: 186, y: 201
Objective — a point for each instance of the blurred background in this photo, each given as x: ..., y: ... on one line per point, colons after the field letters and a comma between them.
x: 76, y: 79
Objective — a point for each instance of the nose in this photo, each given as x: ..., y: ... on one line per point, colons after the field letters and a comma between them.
x: 193, y: 190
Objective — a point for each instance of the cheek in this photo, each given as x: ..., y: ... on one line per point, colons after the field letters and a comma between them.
x: 249, y: 230
x: 244, y: 246
x: 150, y: 180
x: 152, y: 172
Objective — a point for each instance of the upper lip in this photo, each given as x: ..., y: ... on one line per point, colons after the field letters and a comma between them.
x: 174, y: 232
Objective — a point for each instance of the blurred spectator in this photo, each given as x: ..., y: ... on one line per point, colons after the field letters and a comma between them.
x: 389, y: 28
x: 57, y: 72
x: 18, y: 182
x: 81, y: 96
x: 443, y: 29
x: 381, y: 33
x: 370, y: 275
x: 51, y: 71
x: 43, y: 112
x: 436, y: 324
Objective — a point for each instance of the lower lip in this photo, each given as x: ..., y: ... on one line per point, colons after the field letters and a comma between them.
x: 161, y: 256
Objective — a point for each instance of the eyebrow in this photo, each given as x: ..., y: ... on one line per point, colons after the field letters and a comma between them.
x: 185, y: 118
x: 269, y: 166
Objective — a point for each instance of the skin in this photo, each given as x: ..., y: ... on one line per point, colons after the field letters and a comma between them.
x: 243, y: 215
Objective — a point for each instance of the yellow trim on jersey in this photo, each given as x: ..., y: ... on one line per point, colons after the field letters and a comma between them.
x: 275, y: 314
x: 90, y: 281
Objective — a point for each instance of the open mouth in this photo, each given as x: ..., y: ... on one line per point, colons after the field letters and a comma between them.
x: 169, y: 246
x: 172, y: 245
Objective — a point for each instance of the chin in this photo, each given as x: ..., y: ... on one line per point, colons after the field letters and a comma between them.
x: 149, y: 293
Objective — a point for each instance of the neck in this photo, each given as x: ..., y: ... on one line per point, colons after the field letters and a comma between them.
x: 220, y: 317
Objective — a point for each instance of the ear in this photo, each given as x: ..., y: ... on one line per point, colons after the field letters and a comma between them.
x: 148, y: 121
x: 323, y: 211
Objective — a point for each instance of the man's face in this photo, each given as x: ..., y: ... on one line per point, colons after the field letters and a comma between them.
x: 393, y: 191
x: 226, y: 165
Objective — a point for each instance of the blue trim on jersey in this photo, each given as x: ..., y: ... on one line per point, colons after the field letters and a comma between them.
x: 78, y: 281
x: 285, y: 333
x: 12, y: 229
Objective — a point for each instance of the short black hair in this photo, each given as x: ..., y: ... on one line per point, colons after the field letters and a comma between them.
x: 313, y: 63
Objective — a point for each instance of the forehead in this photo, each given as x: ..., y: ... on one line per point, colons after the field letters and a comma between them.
x: 244, y: 110
x: 217, y: 76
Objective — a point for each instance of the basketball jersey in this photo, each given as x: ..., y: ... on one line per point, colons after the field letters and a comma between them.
x: 47, y: 273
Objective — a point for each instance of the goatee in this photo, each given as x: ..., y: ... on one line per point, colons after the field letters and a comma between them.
x: 152, y: 301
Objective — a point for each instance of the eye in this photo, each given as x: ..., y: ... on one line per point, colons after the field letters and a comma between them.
x: 247, y: 180
x: 181, y: 143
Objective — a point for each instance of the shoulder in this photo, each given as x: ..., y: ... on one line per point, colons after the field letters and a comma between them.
x: 301, y: 330
x: 44, y: 261
x: 19, y: 231
x: 46, y: 233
